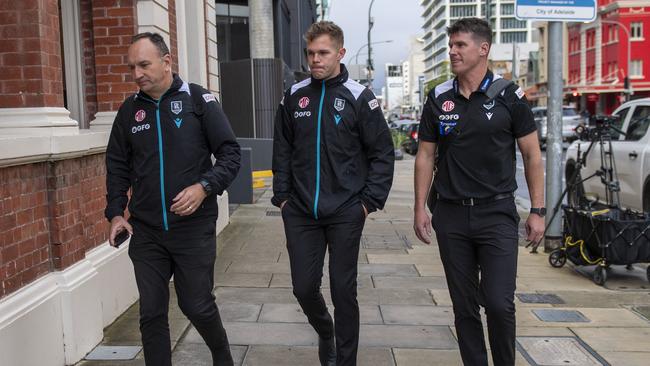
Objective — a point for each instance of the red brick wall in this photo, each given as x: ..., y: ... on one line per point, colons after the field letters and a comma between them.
x: 88, y: 47
x: 30, y: 54
x: 50, y: 215
x: 173, y: 40
x: 24, y: 236
x: 114, y: 24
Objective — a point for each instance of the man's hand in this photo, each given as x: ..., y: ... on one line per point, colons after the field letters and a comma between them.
x: 188, y: 200
x: 534, y: 228
x: 118, y: 223
x: 422, y: 225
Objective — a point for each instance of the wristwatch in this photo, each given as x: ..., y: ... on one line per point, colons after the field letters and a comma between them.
x: 541, y: 211
x: 206, y: 186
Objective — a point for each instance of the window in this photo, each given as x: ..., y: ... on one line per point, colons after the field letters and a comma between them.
x: 463, y: 11
x: 513, y: 37
x: 636, y: 30
x: 638, y: 124
x: 510, y: 23
x: 636, y: 68
x: 507, y: 9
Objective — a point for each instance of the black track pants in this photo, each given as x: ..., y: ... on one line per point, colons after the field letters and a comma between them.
x: 188, y: 254
x: 478, y: 247
x: 307, y: 240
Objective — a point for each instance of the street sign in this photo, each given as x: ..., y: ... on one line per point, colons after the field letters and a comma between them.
x: 556, y: 10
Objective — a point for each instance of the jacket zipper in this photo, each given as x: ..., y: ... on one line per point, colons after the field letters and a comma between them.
x: 161, y: 161
x: 320, y: 115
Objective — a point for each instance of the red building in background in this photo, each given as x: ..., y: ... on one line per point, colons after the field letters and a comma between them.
x: 598, y: 56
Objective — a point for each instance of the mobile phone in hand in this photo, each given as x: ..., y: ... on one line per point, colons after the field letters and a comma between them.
x: 121, y: 238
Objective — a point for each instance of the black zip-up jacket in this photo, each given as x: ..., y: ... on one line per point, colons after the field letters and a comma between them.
x: 160, y: 147
x: 331, y: 148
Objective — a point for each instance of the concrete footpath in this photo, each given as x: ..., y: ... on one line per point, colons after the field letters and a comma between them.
x: 406, y: 314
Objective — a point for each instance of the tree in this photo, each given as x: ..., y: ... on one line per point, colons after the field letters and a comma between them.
x: 444, y: 76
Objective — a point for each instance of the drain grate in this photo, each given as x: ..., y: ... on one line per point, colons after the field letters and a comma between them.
x: 560, y: 316
x: 113, y: 353
x: 532, y: 298
x: 273, y: 213
x: 554, y: 351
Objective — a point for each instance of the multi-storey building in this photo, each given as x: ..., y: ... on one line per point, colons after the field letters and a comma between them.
x: 412, y: 69
x: 598, y: 56
x: 394, y: 91
x: 439, y: 14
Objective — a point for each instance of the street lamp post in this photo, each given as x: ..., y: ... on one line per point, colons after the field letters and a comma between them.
x: 356, y: 55
x: 370, y: 24
x: 627, y: 83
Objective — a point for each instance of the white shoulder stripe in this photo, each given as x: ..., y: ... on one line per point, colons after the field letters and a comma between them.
x: 441, y: 88
x: 355, y: 88
x: 300, y: 85
x: 497, y: 77
x: 186, y: 88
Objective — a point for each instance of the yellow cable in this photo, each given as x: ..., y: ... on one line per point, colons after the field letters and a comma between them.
x: 568, y: 242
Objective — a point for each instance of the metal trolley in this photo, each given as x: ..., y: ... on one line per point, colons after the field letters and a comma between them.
x: 603, y: 238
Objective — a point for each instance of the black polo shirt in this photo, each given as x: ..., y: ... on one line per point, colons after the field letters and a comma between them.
x: 476, y: 138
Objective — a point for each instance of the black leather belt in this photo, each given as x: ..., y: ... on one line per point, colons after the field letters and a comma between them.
x: 477, y: 201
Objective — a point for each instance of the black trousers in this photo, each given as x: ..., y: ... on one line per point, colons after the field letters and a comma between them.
x: 188, y: 254
x: 307, y: 240
x: 478, y: 247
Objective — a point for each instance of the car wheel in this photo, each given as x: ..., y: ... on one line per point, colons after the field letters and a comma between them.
x: 576, y: 192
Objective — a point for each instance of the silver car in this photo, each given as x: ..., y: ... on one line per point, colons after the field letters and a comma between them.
x: 570, y: 120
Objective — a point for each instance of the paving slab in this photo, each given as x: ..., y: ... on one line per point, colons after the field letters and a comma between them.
x: 407, y: 336
x: 598, y: 317
x: 243, y: 266
x: 417, y: 315
x: 242, y: 333
x: 232, y: 279
x: 254, y: 295
x: 626, y: 358
x: 198, y: 354
x: 430, y: 269
x: 407, y: 270
x: 441, y: 297
x: 401, y: 258
x: 615, y: 339
x: 283, y: 280
x: 430, y: 357
x: 302, y: 356
x: 232, y: 312
x: 292, y: 313
x: 394, y: 296
x: 429, y: 282
x: 609, y: 299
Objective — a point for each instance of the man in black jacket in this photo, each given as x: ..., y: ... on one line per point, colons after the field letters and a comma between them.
x: 160, y: 147
x: 332, y: 165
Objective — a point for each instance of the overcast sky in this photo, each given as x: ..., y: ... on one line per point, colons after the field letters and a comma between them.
x: 394, y: 19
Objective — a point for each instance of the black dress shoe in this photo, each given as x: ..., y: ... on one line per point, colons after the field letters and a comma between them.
x: 327, y: 351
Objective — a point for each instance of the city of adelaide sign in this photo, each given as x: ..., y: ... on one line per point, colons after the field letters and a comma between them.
x: 556, y: 10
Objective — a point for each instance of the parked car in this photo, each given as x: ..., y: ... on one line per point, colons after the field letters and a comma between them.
x: 631, y: 155
x: 398, y: 124
x: 570, y: 120
x: 410, y: 145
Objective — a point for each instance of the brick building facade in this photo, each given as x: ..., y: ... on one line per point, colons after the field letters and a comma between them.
x: 64, y: 75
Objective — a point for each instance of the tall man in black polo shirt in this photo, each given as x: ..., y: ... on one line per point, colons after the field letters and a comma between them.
x: 473, y: 130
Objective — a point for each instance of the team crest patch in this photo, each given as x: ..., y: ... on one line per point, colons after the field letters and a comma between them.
x: 208, y: 97
x: 373, y: 104
x: 339, y: 104
x: 303, y: 102
x: 448, y: 106
x: 177, y: 106
x: 140, y: 115
x: 489, y: 106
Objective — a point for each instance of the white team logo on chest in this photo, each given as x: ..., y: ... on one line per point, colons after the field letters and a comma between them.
x: 489, y: 115
x: 177, y: 106
x: 339, y: 104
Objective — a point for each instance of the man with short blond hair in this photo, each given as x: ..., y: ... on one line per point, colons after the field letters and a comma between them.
x: 332, y: 165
